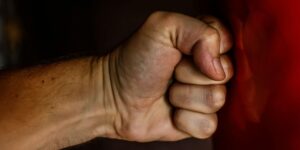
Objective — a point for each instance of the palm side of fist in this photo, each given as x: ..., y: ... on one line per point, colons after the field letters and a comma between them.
x: 147, y: 104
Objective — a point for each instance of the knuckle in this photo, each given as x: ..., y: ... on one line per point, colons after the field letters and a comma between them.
x: 177, y: 95
x: 213, y: 21
x: 218, y: 96
x: 211, y: 34
x: 208, y: 126
x: 162, y: 19
x: 200, y: 126
x: 159, y: 14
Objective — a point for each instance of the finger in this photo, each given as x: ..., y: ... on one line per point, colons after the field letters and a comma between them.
x: 198, y: 98
x: 206, y: 55
x: 192, y: 37
x: 198, y: 125
x: 187, y: 72
x: 225, y: 37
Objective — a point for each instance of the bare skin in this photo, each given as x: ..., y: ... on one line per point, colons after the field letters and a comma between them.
x: 126, y: 94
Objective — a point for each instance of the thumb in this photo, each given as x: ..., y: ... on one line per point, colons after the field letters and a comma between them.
x: 205, y: 41
x: 207, y: 58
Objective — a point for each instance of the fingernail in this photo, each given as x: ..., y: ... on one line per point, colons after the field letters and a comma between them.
x: 219, y: 69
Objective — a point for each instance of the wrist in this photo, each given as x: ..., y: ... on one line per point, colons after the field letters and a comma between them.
x: 104, y: 109
x: 92, y: 112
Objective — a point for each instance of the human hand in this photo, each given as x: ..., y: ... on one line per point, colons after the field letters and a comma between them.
x: 146, y: 104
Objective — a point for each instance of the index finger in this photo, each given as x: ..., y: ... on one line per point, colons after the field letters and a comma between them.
x: 225, y: 36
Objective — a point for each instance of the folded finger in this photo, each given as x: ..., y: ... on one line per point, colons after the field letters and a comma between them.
x: 187, y: 72
x: 198, y: 98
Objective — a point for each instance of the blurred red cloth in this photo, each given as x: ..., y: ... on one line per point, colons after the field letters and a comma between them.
x: 263, y: 107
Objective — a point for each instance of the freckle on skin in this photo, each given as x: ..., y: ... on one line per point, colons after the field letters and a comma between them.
x: 43, y: 81
x: 52, y: 78
x: 16, y: 95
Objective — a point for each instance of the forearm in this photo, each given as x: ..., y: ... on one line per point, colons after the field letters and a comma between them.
x: 53, y: 106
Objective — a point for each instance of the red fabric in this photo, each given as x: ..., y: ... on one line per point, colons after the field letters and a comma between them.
x: 263, y: 107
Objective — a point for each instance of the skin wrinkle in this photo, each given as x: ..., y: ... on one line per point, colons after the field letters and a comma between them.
x: 196, y: 98
x: 209, y: 98
x: 119, y: 120
x: 219, y: 96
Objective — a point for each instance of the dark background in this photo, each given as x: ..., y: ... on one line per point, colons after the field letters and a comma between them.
x: 68, y: 28
x: 53, y: 28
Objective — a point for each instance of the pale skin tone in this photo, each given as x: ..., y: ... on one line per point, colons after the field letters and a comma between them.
x: 127, y: 94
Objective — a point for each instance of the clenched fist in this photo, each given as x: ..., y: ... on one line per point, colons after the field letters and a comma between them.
x: 167, y: 80
x: 165, y: 83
